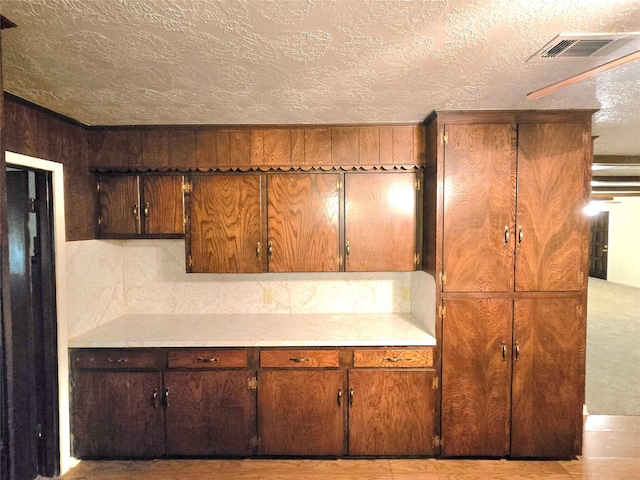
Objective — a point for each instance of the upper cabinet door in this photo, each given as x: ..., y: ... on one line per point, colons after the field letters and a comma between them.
x: 380, y: 222
x: 119, y: 205
x: 162, y: 204
x: 226, y: 224
x: 479, y: 208
x: 553, y: 188
x: 303, y: 222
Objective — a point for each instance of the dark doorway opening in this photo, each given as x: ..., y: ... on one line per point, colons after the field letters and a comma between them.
x: 599, y: 245
x: 32, y: 369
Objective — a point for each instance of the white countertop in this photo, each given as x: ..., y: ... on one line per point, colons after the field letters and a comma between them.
x: 251, y: 330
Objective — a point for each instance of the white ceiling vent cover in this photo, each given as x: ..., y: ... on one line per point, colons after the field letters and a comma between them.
x: 580, y: 46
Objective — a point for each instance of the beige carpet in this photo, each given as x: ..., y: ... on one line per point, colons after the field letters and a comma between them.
x: 613, y: 349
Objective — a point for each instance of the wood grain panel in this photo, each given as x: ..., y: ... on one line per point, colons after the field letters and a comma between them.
x: 226, y: 225
x: 300, y: 413
x: 257, y: 147
x: 393, y: 358
x: 135, y: 150
x: 299, y: 358
x: 118, y: 359
x: 119, y: 204
x: 548, y: 377
x: 113, y: 415
x: 386, y: 145
x: 297, y: 147
x: 223, y: 148
x: 369, y: 146
x: 163, y: 206
x: 155, y: 150
x: 206, y: 149
x: 209, y: 413
x: 206, y: 358
x: 277, y: 147
x: 112, y: 148
x: 49, y: 137
x: 476, y: 378
x: 303, y: 215
x: 380, y: 221
x: 392, y: 412
x: 317, y: 146
x: 344, y: 146
x: 20, y: 128
x: 553, y: 189
x: 239, y: 148
x: 403, y: 145
x: 182, y: 148
x: 479, y: 203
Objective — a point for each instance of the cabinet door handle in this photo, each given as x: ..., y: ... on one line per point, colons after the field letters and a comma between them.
x: 270, y: 250
x: 520, y: 234
x: 300, y: 359
x: 517, y: 350
x: 134, y: 211
x: 350, y: 397
x: 339, y: 397
x: 506, y: 235
x: 207, y: 360
x: 393, y: 359
x: 156, y: 398
x: 146, y: 209
x: 259, y: 251
x: 504, y: 352
x: 166, y: 397
x: 347, y: 249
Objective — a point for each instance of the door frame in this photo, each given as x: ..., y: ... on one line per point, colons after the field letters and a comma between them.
x: 59, y: 239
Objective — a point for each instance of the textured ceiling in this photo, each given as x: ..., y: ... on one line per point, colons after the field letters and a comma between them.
x: 108, y: 62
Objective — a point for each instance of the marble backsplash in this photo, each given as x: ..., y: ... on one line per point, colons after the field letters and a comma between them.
x: 111, y: 278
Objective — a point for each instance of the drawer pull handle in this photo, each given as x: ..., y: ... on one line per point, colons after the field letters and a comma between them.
x: 300, y: 359
x: 393, y: 359
x: 146, y: 209
x: 504, y: 352
x: 155, y: 397
x: 117, y: 360
x: 506, y: 235
x: 259, y: 251
x: 348, y: 249
x: 269, y: 250
x: 166, y: 397
x: 134, y: 211
x: 520, y: 234
x: 517, y: 350
x: 207, y: 360
x: 351, y: 397
x: 339, y: 397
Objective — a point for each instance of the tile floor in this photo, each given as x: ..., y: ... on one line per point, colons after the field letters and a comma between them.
x: 611, y: 452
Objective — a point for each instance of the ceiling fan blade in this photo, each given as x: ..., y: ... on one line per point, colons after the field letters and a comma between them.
x: 584, y: 75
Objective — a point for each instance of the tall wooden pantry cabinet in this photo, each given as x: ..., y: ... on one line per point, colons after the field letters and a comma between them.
x: 506, y: 240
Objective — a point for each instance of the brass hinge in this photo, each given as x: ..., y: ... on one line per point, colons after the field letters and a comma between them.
x: 339, y: 186
x: 416, y: 259
x: 581, y: 277
x: 98, y: 186
x: 99, y: 219
x: 252, y: 383
x: 445, y: 138
x: 184, y: 220
x: 418, y: 184
x: 435, y: 383
x: 437, y: 441
x: 190, y: 261
x: 579, y: 310
x: 340, y: 260
x: 254, y: 441
x: 443, y: 311
x: 443, y: 278
x: 187, y: 186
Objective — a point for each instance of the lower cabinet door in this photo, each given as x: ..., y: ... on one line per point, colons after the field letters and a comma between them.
x: 117, y: 414
x: 301, y: 412
x: 391, y: 412
x: 208, y: 413
x: 476, y: 377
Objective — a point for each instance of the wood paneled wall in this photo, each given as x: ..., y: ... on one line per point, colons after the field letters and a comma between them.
x: 215, y: 147
x: 34, y: 131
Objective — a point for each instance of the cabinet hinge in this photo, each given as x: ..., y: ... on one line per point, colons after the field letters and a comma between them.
x: 435, y: 383
x: 340, y: 260
x: 579, y: 310
x: 418, y: 184
x: 339, y: 186
x: 416, y: 259
x: 254, y: 441
x: 99, y: 219
x: 252, y: 383
x: 190, y: 261
x: 445, y: 138
x: 437, y: 442
x: 187, y: 186
x: 443, y: 311
x: 581, y: 277
x: 443, y: 278
x: 98, y: 186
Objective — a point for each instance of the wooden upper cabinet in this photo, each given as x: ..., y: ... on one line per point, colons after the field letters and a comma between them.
x: 303, y: 222
x: 548, y: 377
x: 553, y: 188
x: 479, y: 207
x: 476, y: 377
x: 134, y: 206
x: 380, y: 221
x: 119, y: 205
x: 226, y: 224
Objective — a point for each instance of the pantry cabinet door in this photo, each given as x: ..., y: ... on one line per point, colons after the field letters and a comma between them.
x: 548, y: 377
x: 208, y: 413
x: 119, y: 205
x: 479, y: 207
x: 553, y: 189
x: 303, y: 222
x: 163, y: 205
x: 380, y: 222
x: 226, y: 224
x: 476, y: 377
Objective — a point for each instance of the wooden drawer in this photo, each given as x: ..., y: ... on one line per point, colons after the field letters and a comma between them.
x: 207, y: 358
x: 393, y: 358
x: 299, y: 358
x: 120, y: 359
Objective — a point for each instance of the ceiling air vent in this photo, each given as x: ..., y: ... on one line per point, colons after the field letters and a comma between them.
x: 579, y: 46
